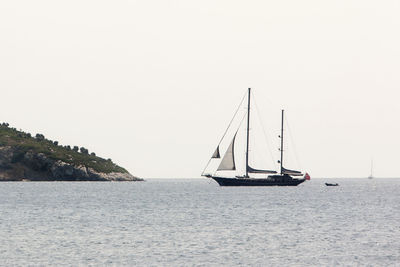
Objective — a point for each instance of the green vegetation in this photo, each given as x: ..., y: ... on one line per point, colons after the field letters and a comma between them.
x: 24, y: 142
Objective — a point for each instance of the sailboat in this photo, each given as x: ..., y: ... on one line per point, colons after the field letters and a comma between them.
x: 371, y: 176
x: 285, y: 177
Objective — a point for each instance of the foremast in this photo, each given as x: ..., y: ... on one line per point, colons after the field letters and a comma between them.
x: 248, y: 133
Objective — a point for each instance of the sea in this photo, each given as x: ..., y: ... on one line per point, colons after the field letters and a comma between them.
x: 195, y: 222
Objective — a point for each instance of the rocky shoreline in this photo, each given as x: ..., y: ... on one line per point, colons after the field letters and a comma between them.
x: 31, y: 166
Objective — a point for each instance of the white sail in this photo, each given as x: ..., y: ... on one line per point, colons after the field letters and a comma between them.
x: 252, y: 170
x: 228, y: 162
x: 216, y: 154
x: 291, y: 172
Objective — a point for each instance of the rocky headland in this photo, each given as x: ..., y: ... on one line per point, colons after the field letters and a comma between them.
x: 27, y: 158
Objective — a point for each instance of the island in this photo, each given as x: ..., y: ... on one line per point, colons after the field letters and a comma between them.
x: 24, y: 157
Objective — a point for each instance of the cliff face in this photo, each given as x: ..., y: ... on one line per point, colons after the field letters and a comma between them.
x: 23, y: 157
x: 17, y: 166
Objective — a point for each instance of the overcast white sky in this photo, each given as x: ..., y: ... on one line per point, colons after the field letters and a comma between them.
x: 153, y: 84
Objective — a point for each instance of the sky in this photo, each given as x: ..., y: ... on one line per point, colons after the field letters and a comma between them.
x: 153, y: 84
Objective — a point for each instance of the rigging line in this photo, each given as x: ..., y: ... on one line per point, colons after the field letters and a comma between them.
x: 230, y: 123
x: 293, y: 144
x: 244, y: 116
x: 265, y: 133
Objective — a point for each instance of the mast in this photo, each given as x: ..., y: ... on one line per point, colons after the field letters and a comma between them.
x: 248, y: 129
x: 372, y: 166
x: 282, y: 142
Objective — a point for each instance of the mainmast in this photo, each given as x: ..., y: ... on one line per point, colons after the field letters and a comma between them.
x: 282, y: 142
x: 248, y: 129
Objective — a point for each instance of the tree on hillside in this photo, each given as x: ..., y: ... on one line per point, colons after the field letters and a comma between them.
x: 84, y: 150
x: 40, y: 137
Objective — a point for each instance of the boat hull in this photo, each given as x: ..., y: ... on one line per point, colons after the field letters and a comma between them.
x: 222, y: 181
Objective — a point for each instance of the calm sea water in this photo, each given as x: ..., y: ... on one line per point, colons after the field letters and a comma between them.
x: 196, y: 222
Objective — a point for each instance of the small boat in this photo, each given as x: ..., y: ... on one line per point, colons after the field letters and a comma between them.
x: 285, y: 177
x: 329, y: 184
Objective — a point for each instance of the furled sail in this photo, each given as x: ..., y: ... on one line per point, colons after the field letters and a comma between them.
x: 228, y: 162
x: 251, y: 170
x: 291, y: 172
x: 216, y: 154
